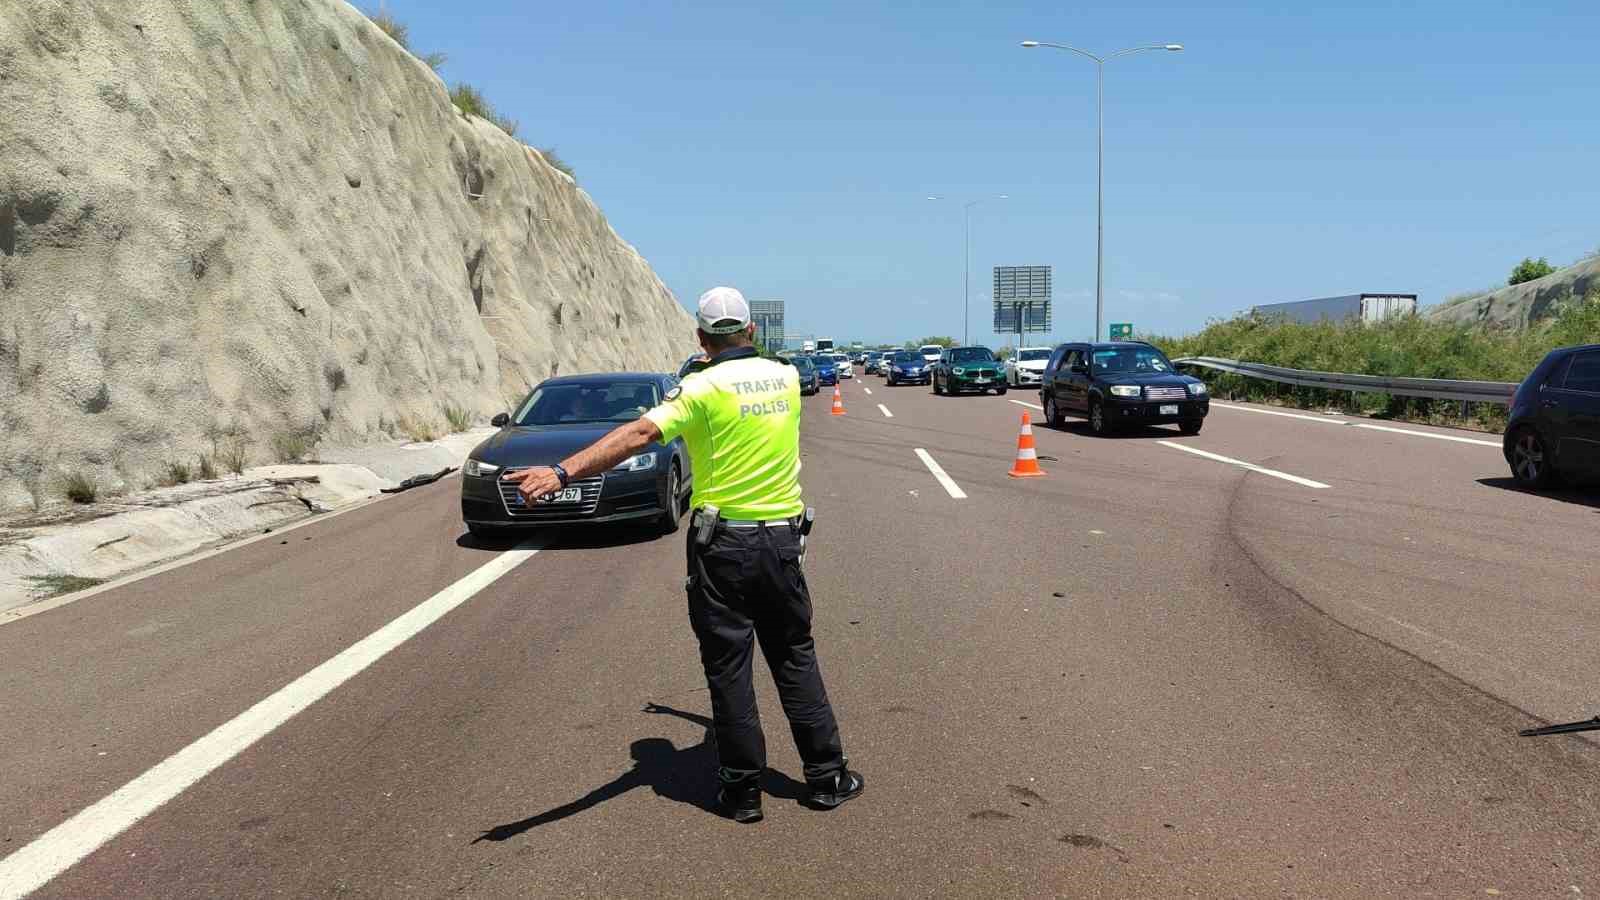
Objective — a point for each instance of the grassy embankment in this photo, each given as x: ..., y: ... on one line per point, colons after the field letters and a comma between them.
x: 1409, y: 346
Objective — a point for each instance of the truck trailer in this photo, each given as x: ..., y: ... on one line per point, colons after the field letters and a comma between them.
x: 1374, y: 307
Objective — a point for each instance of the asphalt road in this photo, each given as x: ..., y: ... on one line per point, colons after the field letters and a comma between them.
x: 1150, y: 673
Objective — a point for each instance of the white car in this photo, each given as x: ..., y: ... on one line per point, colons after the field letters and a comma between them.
x: 1026, y: 366
x: 842, y: 364
x: 930, y: 353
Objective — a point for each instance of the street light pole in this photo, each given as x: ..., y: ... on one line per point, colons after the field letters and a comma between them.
x: 1100, y: 164
x: 966, y: 265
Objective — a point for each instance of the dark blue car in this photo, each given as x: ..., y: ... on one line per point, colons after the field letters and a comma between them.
x: 826, y: 372
x: 908, y: 367
x: 1554, y: 429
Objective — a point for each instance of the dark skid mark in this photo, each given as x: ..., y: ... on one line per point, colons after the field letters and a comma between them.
x: 989, y: 815
x: 1022, y: 793
x: 256, y: 822
x: 1083, y: 840
x: 898, y: 708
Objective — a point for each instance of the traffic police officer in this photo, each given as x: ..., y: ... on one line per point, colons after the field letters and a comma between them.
x: 740, y: 417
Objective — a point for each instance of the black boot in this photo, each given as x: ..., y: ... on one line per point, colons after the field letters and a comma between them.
x: 831, y: 792
x: 741, y: 800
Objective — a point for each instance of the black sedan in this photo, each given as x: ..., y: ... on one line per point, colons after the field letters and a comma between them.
x: 558, y: 418
x: 1554, y: 428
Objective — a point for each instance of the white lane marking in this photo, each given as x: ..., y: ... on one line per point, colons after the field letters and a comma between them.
x: 1287, y: 415
x: 1330, y: 421
x: 55, y: 851
x: 867, y: 389
x: 1023, y: 403
x: 1427, y: 434
x: 885, y: 410
x: 1245, y: 465
x: 949, y: 483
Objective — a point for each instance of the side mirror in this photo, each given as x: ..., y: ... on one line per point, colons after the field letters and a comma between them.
x: 500, y: 420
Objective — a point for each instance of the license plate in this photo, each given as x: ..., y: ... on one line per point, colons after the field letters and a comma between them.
x: 980, y: 381
x: 565, y: 495
x: 1171, y: 410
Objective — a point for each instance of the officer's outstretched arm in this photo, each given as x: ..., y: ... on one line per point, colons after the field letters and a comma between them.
x: 623, y: 442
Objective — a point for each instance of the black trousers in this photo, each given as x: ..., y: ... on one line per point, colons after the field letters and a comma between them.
x: 745, y: 588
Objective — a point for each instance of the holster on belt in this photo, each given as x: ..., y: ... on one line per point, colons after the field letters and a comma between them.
x: 704, y: 522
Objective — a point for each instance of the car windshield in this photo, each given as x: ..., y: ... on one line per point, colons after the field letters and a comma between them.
x: 971, y: 355
x: 1030, y: 355
x: 931, y: 349
x: 573, y: 403
x: 906, y: 356
x: 1130, y: 359
x: 802, y: 363
x: 824, y: 362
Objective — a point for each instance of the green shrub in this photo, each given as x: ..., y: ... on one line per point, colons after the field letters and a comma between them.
x: 79, y: 488
x: 460, y: 419
x: 207, y: 468
x: 174, y: 473
x: 472, y: 102
x: 560, y: 165
x: 401, y: 34
x: 234, y: 455
x: 1529, y: 269
x: 47, y: 586
x: 290, y: 447
x: 421, y: 431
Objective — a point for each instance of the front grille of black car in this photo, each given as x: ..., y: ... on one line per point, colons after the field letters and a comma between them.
x: 590, y: 486
x: 1160, y: 392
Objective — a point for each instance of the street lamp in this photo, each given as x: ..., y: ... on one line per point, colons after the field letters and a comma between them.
x: 1100, y: 163
x: 966, y: 266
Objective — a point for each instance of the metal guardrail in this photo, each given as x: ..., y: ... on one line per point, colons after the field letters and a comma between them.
x: 1433, y: 388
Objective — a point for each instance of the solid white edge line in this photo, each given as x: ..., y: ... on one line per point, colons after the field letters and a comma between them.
x: 1437, y: 437
x: 950, y: 486
x: 42, y: 859
x: 1287, y: 415
x: 1025, y: 403
x: 885, y: 410
x: 1245, y: 465
x: 1330, y: 421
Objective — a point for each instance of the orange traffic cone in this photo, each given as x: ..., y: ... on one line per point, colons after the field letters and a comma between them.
x: 838, y: 402
x: 1027, y: 464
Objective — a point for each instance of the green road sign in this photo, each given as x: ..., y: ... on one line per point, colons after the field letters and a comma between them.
x: 1121, y: 331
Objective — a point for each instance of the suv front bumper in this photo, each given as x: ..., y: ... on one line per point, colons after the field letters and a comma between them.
x: 1148, y: 412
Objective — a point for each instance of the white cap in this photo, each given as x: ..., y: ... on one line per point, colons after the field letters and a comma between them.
x: 723, y: 310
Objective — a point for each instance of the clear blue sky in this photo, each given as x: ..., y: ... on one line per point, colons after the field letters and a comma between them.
x: 1293, y: 150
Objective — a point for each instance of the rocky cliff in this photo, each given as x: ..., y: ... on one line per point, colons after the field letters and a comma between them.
x: 1521, y: 305
x: 262, y: 221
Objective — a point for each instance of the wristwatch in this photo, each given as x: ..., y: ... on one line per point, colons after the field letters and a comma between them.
x: 561, y: 474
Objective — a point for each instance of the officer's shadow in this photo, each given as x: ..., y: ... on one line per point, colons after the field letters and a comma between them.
x: 687, y: 776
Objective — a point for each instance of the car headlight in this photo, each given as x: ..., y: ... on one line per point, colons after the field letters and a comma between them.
x: 477, y: 468
x: 1124, y: 390
x: 1197, y: 389
x: 959, y: 371
x: 637, y: 463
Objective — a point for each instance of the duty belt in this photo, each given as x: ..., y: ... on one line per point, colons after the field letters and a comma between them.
x: 757, y: 523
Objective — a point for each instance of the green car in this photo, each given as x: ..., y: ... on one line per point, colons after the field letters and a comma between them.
x: 968, y: 369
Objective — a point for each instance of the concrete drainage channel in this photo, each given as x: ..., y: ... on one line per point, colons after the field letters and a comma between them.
x: 48, y: 561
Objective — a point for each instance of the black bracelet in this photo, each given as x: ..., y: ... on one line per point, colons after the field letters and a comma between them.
x: 561, y: 474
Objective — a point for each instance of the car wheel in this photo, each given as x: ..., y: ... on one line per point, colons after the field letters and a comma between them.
x: 1052, y: 413
x: 1000, y: 391
x: 1530, y: 463
x: 1190, y: 426
x: 672, y: 515
x: 936, y: 389
x: 1097, y: 419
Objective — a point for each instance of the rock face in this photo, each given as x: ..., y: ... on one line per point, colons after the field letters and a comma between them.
x: 1521, y: 305
x: 264, y: 219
